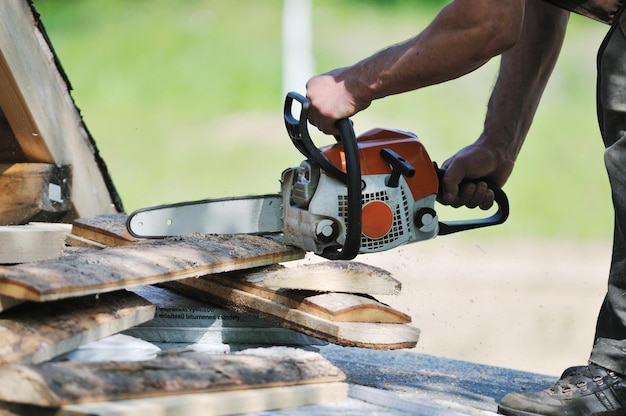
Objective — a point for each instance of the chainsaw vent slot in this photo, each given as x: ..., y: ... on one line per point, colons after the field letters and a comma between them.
x: 400, y: 227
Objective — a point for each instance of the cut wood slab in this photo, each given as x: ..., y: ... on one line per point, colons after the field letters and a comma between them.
x: 55, y: 384
x: 33, y: 333
x: 357, y: 334
x: 183, y: 320
x: 109, y: 230
x: 335, y: 276
x: 151, y: 261
x: 31, y: 242
x: 340, y: 307
x: 34, y: 192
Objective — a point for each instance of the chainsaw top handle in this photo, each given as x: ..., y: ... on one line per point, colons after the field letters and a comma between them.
x: 499, y: 217
x: 298, y: 131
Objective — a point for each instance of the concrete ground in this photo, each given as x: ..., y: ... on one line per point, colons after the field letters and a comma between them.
x: 525, y: 305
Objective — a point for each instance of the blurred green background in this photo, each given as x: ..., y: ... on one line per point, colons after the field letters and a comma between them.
x: 184, y: 100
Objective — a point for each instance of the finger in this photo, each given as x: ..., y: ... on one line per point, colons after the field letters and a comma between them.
x: 466, y: 194
x: 478, y: 196
x: 488, y: 201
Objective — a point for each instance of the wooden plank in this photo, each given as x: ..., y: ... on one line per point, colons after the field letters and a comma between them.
x: 31, y: 242
x: 335, y: 276
x: 340, y: 307
x: 216, y: 404
x: 149, y: 262
x: 34, y: 192
x: 33, y: 333
x: 55, y: 384
x: 354, y: 334
x: 76, y: 241
x: 109, y: 230
x: 183, y: 320
x: 44, y: 119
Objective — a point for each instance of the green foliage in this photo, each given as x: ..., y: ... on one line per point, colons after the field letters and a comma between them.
x: 184, y: 100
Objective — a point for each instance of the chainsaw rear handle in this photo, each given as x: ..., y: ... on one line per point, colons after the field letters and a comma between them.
x: 298, y: 131
x: 499, y: 217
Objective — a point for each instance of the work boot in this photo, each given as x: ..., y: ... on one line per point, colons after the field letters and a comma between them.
x: 581, y: 391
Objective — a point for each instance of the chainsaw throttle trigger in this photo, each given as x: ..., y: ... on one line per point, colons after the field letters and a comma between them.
x: 499, y: 217
x: 399, y: 166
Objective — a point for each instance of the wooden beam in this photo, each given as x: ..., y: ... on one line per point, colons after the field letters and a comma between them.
x: 35, y: 98
x: 149, y: 262
x: 33, y: 333
x: 34, y: 192
x: 55, y: 384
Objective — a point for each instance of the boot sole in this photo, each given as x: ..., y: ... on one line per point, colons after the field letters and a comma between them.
x: 512, y: 412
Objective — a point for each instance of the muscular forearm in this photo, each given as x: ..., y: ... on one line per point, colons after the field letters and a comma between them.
x: 524, y: 73
x: 462, y: 37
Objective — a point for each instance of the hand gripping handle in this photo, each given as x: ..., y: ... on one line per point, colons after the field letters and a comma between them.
x: 499, y: 217
x: 297, y: 128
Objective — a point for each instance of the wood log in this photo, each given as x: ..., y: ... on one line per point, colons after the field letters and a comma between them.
x: 34, y: 192
x: 355, y: 334
x: 33, y: 333
x: 109, y: 230
x: 46, y: 123
x: 55, y: 384
x: 31, y: 242
x: 335, y: 276
x: 149, y: 262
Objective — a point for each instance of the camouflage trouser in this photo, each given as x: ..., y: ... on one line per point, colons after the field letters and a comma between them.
x: 609, y: 348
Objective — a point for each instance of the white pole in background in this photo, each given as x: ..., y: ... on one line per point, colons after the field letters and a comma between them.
x: 298, y: 63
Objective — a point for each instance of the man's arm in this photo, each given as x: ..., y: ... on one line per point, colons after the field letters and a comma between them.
x: 524, y: 73
x: 461, y: 38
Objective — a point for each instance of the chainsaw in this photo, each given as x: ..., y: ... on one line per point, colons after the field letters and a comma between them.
x: 359, y: 195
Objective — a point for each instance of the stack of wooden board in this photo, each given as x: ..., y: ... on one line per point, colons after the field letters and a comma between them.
x: 331, y: 301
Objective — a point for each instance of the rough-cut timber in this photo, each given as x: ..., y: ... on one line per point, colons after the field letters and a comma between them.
x: 55, y: 384
x: 355, y: 334
x: 335, y: 276
x: 36, y: 103
x: 31, y: 242
x: 214, y: 404
x: 34, y: 192
x: 33, y: 333
x: 340, y: 307
x: 109, y: 230
x: 148, y: 262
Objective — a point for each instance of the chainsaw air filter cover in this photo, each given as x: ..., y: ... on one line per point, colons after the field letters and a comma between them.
x: 398, y: 189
